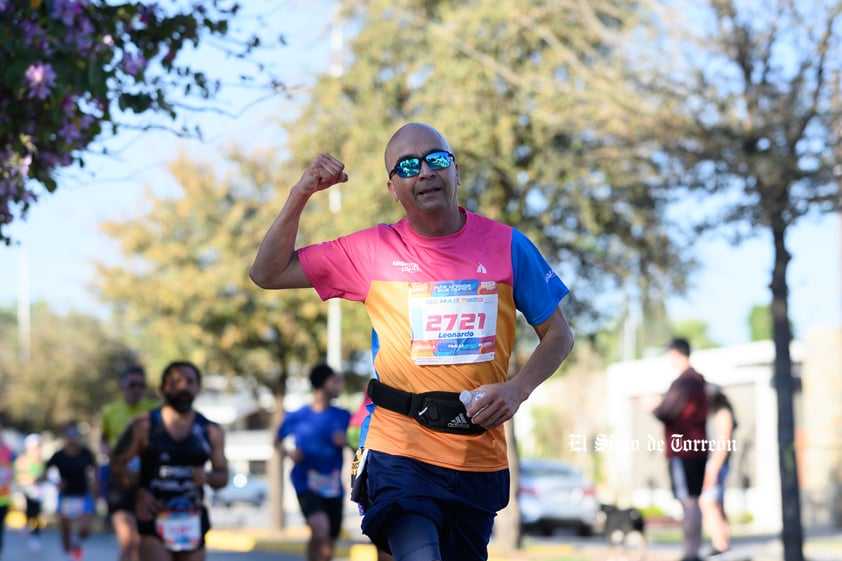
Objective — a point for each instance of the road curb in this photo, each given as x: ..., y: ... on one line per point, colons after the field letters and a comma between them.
x: 291, y: 540
x: 15, y: 520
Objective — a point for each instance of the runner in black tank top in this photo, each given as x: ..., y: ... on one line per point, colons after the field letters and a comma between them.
x: 167, y: 472
x: 174, y: 443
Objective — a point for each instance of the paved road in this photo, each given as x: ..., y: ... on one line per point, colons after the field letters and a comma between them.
x: 103, y: 547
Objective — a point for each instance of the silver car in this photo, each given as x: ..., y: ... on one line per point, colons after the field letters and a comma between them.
x: 241, y: 489
x: 554, y: 494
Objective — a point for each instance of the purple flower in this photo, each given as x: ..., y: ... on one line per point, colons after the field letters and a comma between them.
x: 36, y: 36
x: 51, y: 160
x: 68, y: 106
x: 23, y: 167
x: 81, y: 34
x: 41, y: 78
x: 5, y: 215
x: 27, y: 196
x: 48, y: 159
x: 69, y: 132
x: 31, y: 31
x: 67, y: 10
x: 148, y: 14
x: 85, y: 121
x: 133, y: 63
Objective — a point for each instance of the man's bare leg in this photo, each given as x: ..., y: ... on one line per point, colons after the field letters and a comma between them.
x: 125, y: 529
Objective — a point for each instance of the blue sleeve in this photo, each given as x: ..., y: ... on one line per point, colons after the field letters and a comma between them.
x: 285, y: 428
x: 340, y: 418
x: 537, y: 288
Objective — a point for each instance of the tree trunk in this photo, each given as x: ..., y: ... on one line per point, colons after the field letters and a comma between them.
x: 507, y: 536
x: 275, y: 471
x: 275, y: 468
x: 793, y: 538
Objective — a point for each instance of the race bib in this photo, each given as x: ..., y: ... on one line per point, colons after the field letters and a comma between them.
x: 326, y: 485
x: 453, y: 322
x: 73, y: 507
x: 180, y: 531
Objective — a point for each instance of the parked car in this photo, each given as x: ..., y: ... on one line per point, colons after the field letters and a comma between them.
x: 554, y: 494
x: 241, y: 489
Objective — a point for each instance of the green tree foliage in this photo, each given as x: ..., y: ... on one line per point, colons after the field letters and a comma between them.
x: 695, y: 331
x: 77, y: 70
x: 525, y: 94
x: 72, y: 369
x: 760, y: 323
x: 183, y: 288
x: 506, y: 150
x: 747, y: 116
x: 549, y: 425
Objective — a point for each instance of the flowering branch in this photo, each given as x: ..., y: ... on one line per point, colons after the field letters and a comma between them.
x: 71, y: 66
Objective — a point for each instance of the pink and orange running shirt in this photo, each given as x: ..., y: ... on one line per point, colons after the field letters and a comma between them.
x: 443, y: 312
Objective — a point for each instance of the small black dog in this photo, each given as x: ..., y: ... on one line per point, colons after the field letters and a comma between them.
x: 625, y: 528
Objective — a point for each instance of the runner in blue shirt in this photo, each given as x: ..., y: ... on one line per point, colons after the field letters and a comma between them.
x: 317, y: 439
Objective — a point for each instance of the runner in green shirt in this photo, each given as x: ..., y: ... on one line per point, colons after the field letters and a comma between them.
x: 30, y: 470
x: 115, y: 417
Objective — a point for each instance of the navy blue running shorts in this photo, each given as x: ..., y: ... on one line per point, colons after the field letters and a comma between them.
x: 312, y: 503
x: 461, y: 504
x: 687, y: 476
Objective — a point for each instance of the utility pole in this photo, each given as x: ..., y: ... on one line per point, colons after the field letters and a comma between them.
x: 24, y: 317
x: 334, y: 305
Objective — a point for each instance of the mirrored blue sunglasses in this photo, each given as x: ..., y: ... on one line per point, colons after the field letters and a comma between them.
x: 410, y: 167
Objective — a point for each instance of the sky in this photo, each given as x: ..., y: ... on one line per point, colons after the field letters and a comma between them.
x: 59, y: 241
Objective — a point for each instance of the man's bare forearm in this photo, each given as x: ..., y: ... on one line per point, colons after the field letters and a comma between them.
x: 277, y: 249
x: 276, y: 265
x: 556, y: 342
x: 501, y: 401
x: 125, y: 449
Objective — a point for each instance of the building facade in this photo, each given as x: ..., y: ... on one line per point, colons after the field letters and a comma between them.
x: 621, y: 443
